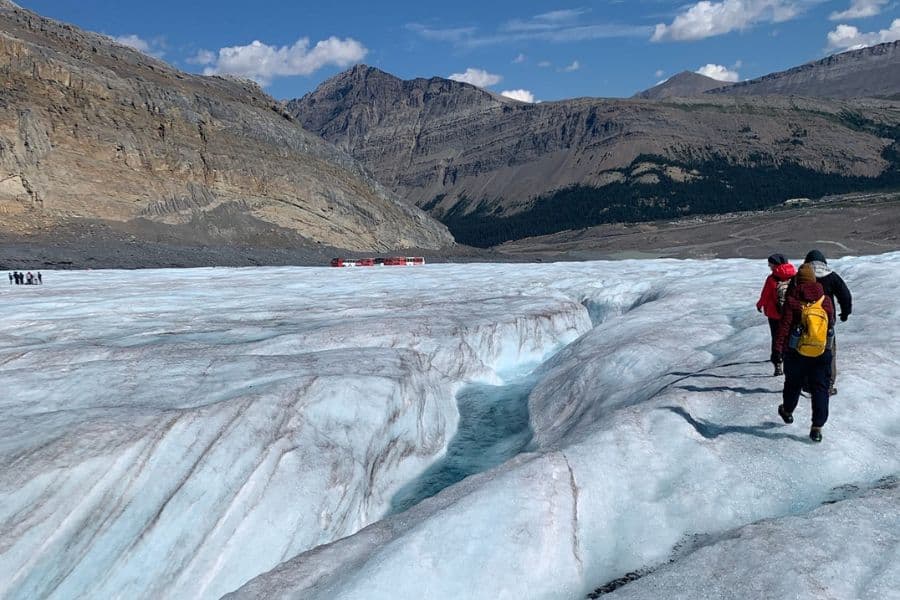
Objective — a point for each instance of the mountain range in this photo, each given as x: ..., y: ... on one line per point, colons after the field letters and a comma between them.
x: 495, y: 169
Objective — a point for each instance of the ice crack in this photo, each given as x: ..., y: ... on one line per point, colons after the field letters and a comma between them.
x: 576, y: 543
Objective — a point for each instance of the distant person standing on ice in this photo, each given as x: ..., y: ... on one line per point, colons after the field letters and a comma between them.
x: 11, y: 279
x: 807, y: 323
x: 772, y: 297
x: 835, y: 288
x: 40, y: 278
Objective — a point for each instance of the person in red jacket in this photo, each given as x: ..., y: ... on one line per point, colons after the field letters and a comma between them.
x: 799, y: 369
x: 772, y: 297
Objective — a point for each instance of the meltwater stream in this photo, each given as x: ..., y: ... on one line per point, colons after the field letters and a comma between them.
x: 493, y: 427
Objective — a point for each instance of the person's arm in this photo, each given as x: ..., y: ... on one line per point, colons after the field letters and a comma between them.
x: 828, y: 305
x: 784, y: 325
x: 843, y: 296
x: 768, y: 289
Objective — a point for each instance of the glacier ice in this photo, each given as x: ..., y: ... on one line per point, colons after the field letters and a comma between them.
x: 172, y: 434
x: 193, y: 433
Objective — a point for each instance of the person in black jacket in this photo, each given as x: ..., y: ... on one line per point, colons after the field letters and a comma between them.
x: 835, y: 289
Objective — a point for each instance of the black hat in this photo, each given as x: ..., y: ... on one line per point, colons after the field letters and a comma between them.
x: 777, y: 259
x: 815, y: 256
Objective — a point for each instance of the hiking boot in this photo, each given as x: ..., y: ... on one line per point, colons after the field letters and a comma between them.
x: 832, y: 391
x: 815, y: 434
x: 785, y: 416
x: 779, y: 370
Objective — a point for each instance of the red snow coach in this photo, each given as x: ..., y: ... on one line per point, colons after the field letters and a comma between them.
x: 393, y: 261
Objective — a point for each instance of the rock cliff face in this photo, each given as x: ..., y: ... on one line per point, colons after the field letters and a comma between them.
x: 870, y: 72
x: 682, y: 85
x: 483, y: 164
x: 90, y: 129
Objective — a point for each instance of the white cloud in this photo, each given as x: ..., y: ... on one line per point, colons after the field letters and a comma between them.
x: 477, y: 77
x: 848, y: 37
x: 659, y: 73
x: 544, y: 64
x: 133, y: 41
x: 575, y: 33
x: 719, y: 72
x: 561, y: 16
x: 456, y: 34
x: 263, y: 63
x: 859, y: 9
x: 572, y: 67
x: 559, y: 26
x: 519, y: 59
x: 546, y: 21
x: 155, y: 47
x: 202, y: 57
x: 520, y: 95
x: 706, y: 19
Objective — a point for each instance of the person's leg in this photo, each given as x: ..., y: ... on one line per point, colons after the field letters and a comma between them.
x: 833, y: 375
x: 821, y: 374
x: 773, y: 330
x: 794, y: 374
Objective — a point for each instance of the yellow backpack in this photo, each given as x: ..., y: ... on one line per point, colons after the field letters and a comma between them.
x: 813, y: 329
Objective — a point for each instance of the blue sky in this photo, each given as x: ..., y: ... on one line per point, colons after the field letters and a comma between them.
x: 540, y: 50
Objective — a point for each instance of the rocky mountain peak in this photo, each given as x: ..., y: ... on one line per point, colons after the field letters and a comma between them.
x: 364, y: 81
x: 684, y: 85
x: 363, y: 97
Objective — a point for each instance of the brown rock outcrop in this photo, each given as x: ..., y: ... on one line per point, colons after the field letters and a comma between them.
x: 90, y: 129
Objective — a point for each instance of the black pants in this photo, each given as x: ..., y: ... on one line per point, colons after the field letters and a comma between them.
x: 833, y: 359
x: 773, y: 328
x: 817, y: 371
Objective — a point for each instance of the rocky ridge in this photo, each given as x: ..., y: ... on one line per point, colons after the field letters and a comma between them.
x: 93, y: 130
x: 869, y: 72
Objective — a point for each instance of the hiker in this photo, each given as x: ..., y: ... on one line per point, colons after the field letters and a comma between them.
x: 772, y: 297
x: 29, y: 279
x: 18, y: 277
x: 807, y: 323
x: 40, y: 279
x: 834, y: 288
x: 11, y: 279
